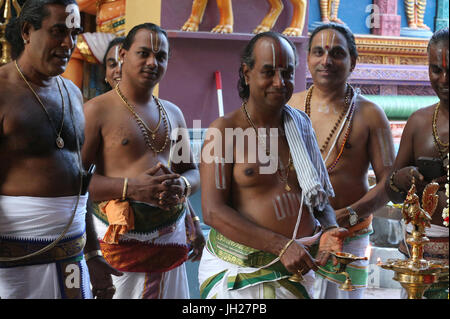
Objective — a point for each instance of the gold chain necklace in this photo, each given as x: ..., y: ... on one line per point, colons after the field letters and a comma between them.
x: 341, y: 116
x: 143, y: 126
x: 59, y: 139
x: 289, y: 166
x: 154, y: 131
x: 284, y: 176
x: 435, y: 130
x: 249, y: 120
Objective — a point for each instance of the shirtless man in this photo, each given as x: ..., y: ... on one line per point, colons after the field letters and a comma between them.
x: 364, y: 138
x: 426, y: 135
x: 253, y: 212
x: 129, y: 135
x: 41, y: 132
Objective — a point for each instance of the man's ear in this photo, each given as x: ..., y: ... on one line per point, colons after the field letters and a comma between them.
x: 122, y: 54
x: 26, y: 31
x: 245, y: 70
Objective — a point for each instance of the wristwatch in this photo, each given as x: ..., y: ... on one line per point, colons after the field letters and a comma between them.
x: 353, y: 218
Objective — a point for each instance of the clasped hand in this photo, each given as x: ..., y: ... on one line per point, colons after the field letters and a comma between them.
x: 164, y: 191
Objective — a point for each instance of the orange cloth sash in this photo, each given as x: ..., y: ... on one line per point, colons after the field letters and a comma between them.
x: 120, y: 218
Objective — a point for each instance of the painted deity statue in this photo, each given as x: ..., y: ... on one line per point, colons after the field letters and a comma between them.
x: 329, y: 11
x: 110, y: 14
x: 415, y: 11
x: 91, y: 47
x: 226, y: 17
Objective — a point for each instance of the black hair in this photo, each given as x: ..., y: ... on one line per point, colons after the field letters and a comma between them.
x: 112, y: 43
x: 344, y: 30
x: 33, y: 12
x: 148, y: 26
x: 438, y: 36
x: 248, y: 59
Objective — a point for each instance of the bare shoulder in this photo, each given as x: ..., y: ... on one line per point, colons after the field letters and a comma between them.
x: 72, y: 88
x: 421, y: 116
x: 298, y: 100
x: 10, y: 88
x: 230, y: 120
x: 5, y: 84
x: 371, y: 112
x: 171, y: 108
x: 99, y: 103
x: 175, y: 113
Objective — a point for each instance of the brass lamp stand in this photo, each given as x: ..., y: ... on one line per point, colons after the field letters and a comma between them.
x: 416, y: 274
x: 343, y: 260
x: 5, y: 46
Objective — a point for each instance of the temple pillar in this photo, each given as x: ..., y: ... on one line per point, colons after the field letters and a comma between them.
x: 389, y: 21
x: 441, y: 20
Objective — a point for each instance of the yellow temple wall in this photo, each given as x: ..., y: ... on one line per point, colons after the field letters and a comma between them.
x: 140, y: 11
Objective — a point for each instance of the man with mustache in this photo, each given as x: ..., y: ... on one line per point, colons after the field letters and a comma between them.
x: 426, y: 135
x: 43, y: 220
x: 353, y: 133
x: 141, y: 186
x: 264, y: 203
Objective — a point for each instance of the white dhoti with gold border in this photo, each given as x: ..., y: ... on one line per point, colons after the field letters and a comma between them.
x: 30, y: 223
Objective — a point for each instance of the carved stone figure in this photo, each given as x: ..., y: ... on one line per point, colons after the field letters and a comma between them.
x: 329, y: 11
x: 415, y: 11
x: 226, y: 17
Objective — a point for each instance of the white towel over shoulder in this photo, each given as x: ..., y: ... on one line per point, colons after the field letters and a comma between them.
x: 311, y: 172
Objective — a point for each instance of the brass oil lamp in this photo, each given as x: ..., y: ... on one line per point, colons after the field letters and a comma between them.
x: 343, y: 260
x: 416, y: 274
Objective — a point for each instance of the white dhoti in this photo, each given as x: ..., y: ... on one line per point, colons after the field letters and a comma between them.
x: 219, y: 279
x: 326, y: 286
x: 30, y: 221
x: 172, y: 284
x: 223, y: 275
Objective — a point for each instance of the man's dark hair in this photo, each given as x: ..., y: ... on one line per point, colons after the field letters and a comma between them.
x: 438, y: 36
x: 248, y: 59
x: 112, y: 43
x: 344, y: 30
x: 33, y: 12
x: 148, y: 26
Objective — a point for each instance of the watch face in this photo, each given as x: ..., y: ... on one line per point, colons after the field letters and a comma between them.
x: 353, y: 219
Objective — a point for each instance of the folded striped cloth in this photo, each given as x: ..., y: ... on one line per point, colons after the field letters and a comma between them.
x: 311, y: 172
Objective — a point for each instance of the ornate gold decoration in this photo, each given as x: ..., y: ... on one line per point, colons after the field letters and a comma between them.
x: 6, y: 47
x: 416, y: 274
x: 394, y: 50
x: 86, y: 51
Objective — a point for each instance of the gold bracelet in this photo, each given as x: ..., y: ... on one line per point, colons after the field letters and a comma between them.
x: 285, y: 248
x: 125, y: 188
x: 393, y: 186
x: 92, y: 254
x: 196, y: 219
x: 188, y: 186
